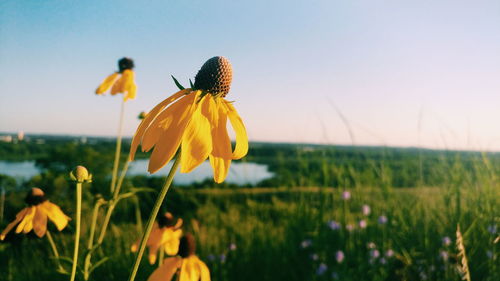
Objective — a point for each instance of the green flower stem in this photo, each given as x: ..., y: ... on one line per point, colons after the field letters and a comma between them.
x: 88, y: 256
x: 152, y: 217
x: 118, y: 148
x: 112, y: 204
x: 54, y: 250
x: 138, y: 216
x: 77, y: 233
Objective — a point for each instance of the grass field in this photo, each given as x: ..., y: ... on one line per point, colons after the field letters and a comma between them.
x: 299, y: 234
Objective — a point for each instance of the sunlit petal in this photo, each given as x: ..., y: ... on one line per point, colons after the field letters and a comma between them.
x: 220, y: 167
x: 55, y: 214
x: 173, y: 125
x: 149, y: 118
x: 107, y: 83
x: 167, y: 270
x: 28, y: 219
x: 40, y: 223
x: 19, y: 217
x: 241, y: 147
x: 197, y: 139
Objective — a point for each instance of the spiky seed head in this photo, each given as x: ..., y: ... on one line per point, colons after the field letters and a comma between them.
x: 215, y: 76
x: 187, y: 247
x: 124, y: 64
x: 35, y: 196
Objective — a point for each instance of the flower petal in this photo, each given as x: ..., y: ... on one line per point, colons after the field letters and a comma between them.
x: 189, y: 269
x: 55, y: 214
x: 205, y: 273
x: 167, y: 270
x: 19, y: 217
x: 149, y: 118
x: 172, y: 122
x: 40, y: 223
x: 121, y: 84
x: 220, y: 166
x: 196, y: 140
x: 107, y: 83
x: 27, y: 220
x: 241, y: 147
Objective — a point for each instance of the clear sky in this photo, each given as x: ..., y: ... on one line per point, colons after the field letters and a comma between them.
x: 403, y: 73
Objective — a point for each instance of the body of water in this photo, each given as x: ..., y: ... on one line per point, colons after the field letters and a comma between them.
x: 239, y: 173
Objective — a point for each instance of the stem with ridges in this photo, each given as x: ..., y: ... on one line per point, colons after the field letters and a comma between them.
x: 152, y: 217
x: 77, y: 233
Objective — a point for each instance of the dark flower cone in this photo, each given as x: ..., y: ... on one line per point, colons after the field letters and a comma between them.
x: 215, y: 76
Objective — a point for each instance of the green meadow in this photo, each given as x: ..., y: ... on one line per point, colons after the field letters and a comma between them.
x: 328, y: 213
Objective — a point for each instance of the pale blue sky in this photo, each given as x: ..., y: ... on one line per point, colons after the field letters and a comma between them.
x: 387, y: 65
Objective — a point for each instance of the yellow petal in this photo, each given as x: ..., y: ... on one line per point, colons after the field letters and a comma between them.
x: 27, y: 220
x: 167, y: 270
x: 241, y: 148
x: 189, y: 269
x: 149, y: 118
x: 197, y: 139
x: 220, y: 166
x: 131, y: 92
x: 173, y: 124
x: 205, y: 273
x: 19, y: 217
x: 120, y: 85
x: 107, y: 83
x: 55, y: 214
x: 216, y: 113
x: 171, y: 241
x: 40, y: 223
x: 154, y: 242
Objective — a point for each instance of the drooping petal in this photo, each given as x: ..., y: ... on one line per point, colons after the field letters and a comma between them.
x: 167, y: 270
x: 241, y: 147
x: 107, y: 83
x: 55, y: 214
x: 19, y: 217
x: 221, y: 155
x: 27, y: 220
x: 220, y: 167
x: 197, y: 139
x: 169, y: 141
x: 149, y: 118
x: 189, y: 269
x: 171, y: 241
x: 131, y: 90
x: 204, y: 272
x: 121, y: 84
x: 153, y: 243
x: 40, y: 223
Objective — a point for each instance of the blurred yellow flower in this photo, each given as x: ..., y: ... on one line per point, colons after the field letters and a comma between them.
x: 188, y: 265
x: 34, y: 217
x: 166, y: 232
x: 122, y: 81
x: 195, y: 121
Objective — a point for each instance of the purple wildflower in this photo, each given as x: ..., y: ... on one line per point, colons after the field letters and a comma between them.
x: 366, y: 210
x: 382, y: 219
x: 350, y: 227
x: 334, y: 225
x: 389, y: 253
x: 346, y: 195
x: 222, y: 258
x: 446, y: 241
x: 362, y: 223
x: 314, y: 257
x: 322, y: 268
x: 339, y: 256
x: 232, y: 247
x: 306, y: 243
x: 492, y: 229
x: 374, y: 253
x: 444, y: 255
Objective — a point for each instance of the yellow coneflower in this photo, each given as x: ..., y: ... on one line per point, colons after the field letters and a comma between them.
x: 167, y: 233
x: 187, y: 264
x: 196, y: 121
x: 34, y: 217
x: 121, y: 81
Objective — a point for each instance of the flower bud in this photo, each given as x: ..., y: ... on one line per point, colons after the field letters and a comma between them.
x: 81, y: 174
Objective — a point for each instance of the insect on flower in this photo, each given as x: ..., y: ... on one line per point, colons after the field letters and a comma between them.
x: 195, y: 120
x: 121, y: 81
x: 190, y: 267
x: 34, y: 217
